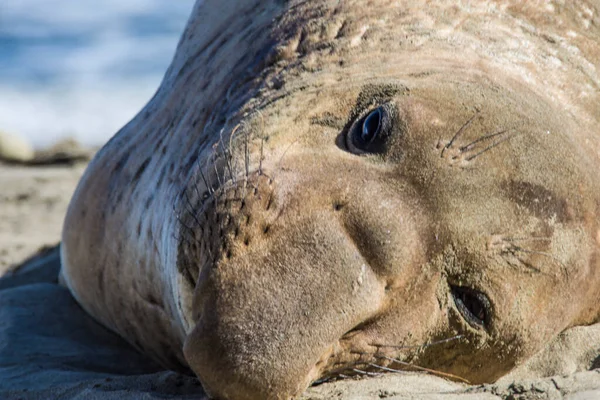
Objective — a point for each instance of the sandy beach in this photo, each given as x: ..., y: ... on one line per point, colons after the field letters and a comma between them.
x: 33, y: 202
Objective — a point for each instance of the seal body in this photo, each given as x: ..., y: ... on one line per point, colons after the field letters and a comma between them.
x: 320, y: 189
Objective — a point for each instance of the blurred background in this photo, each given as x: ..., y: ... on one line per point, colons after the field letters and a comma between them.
x: 82, y: 68
x: 69, y: 69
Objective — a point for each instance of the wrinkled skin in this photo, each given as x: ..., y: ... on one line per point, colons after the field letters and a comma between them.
x: 237, y: 226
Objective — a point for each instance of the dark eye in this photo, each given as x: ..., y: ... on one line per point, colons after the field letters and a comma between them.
x: 474, y: 306
x: 370, y: 133
x: 371, y: 126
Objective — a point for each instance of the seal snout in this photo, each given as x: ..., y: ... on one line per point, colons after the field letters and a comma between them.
x: 270, y: 313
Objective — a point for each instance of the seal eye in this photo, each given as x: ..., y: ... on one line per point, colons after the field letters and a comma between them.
x: 371, y: 126
x: 474, y: 306
x: 370, y: 133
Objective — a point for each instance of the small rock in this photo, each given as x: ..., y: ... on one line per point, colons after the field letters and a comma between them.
x: 66, y: 151
x: 14, y: 148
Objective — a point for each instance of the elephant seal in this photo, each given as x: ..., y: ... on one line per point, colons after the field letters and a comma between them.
x: 323, y: 189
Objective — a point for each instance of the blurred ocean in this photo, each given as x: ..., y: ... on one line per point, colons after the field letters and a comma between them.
x: 82, y: 68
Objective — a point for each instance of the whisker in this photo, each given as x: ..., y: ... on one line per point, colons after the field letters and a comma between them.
x: 431, y: 371
x: 246, y: 161
x: 178, y: 237
x: 214, y: 164
x: 230, y: 89
x: 421, y: 346
x: 541, y: 253
x: 182, y: 237
x: 190, y: 232
x: 196, y: 187
x: 208, y: 187
x: 321, y: 381
x: 486, y: 137
x: 351, y: 367
x: 191, y: 208
x: 529, y: 265
x: 183, y: 224
x: 522, y: 263
x: 283, y: 155
x: 227, y: 155
x: 490, y: 147
x: 247, y: 153
x: 262, y: 139
x: 232, y: 136
x: 359, y: 371
x: 533, y: 238
x: 262, y: 143
x: 459, y: 132
x: 233, y: 153
x: 381, y: 367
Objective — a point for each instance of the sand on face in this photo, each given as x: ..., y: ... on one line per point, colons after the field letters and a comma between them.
x: 33, y: 203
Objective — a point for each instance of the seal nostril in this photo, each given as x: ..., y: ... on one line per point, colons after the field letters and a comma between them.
x: 338, y: 206
x: 266, y: 229
x: 247, y: 241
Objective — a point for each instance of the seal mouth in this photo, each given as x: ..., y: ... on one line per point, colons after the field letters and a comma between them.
x: 374, y: 360
x: 350, y: 356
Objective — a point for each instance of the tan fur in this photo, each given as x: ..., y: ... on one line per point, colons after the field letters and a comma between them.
x: 228, y: 229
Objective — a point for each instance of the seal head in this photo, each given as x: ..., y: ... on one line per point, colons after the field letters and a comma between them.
x: 323, y: 189
x: 421, y: 235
